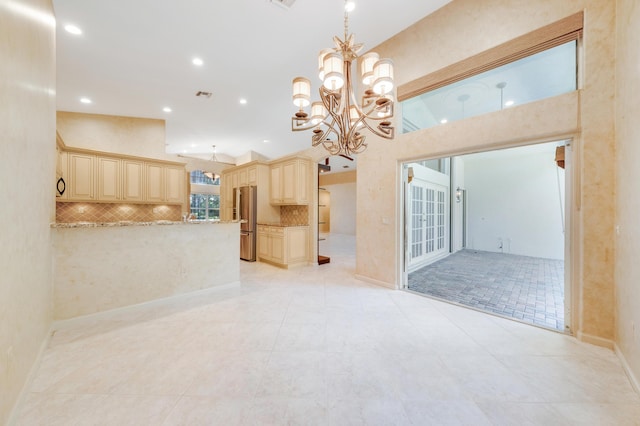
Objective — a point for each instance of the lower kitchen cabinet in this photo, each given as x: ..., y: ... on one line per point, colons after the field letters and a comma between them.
x: 283, y: 246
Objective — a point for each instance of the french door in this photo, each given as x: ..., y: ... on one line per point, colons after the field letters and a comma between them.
x: 428, y: 222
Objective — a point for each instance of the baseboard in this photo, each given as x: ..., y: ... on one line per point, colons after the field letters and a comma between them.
x: 15, y: 411
x: 376, y: 282
x: 595, y: 340
x: 75, y: 321
x: 627, y: 369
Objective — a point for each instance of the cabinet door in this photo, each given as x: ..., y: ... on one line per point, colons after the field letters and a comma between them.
x: 108, y: 179
x: 297, y: 244
x: 277, y: 248
x: 289, y: 182
x: 154, y: 182
x: 81, y: 176
x: 234, y: 179
x: 133, y: 171
x: 174, y: 186
x: 252, y: 175
x: 243, y: 177
x: 276, y: 185
x: 302, y: 182
x: 264, y: 243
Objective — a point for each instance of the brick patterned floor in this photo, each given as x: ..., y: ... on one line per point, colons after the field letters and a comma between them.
x: 529, y: 289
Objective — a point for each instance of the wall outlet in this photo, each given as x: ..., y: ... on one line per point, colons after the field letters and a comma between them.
x: 156, y: 210
x: 80, y: 209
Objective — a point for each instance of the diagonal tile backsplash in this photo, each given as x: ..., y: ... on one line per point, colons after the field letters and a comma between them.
x: 107, y: 212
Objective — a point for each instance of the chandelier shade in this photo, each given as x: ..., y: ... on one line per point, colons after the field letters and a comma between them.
x: 301, y: 92
x: 367, y: 62
x: 383, y: 77
x: 338, y: 119
x: 332, y: 69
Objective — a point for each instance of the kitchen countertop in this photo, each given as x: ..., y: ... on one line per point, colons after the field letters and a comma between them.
x: 130, y: 223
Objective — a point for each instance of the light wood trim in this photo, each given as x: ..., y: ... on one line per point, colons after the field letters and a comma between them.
x: 555, y: 34
x: 121, y: 156
x: 59, y: 142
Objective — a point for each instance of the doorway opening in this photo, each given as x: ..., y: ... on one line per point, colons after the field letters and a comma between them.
x: 487, y: 231
x: 336, y: 209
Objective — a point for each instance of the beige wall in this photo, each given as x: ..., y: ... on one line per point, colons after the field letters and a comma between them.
x: 142, y: 137
x: 628, y: 184
x: 27, y: 171
x: 460, y: 30
x: 342, y: 188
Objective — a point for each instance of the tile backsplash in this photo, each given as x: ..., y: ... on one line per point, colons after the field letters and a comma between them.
x: 98, y: 212
x: 294, y: 215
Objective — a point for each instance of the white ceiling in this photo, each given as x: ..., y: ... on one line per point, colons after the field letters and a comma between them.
x: 134, y: 58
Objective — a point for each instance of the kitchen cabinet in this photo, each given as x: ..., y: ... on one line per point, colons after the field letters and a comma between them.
x: 174, y: 184
x: 164, y: 184
x: 99, y: 177
x: 289, y: 182
x: 253, y: 174
x: 109, y: 179
x: 133, y: 172
x: 283, y: 246
x: 154, y: 182
x: 243, y: 177
x: 271, y: 243
x: 81, y: 176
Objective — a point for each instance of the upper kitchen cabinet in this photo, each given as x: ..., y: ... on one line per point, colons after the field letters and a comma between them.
x: 133, y: 172
x: 255, y: 174
x: 100, y: 177
x: 290, y: 182
x: 174, y: 184
x: 81, y: 176
x: 247, y: 176
x: 154, y: 182
x: 109, y: 179
x: 165, y: 184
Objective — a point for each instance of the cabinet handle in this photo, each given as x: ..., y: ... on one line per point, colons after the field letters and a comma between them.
x: 60, y: 184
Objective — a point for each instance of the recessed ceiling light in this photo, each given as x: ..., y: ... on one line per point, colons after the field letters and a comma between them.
x: 72, y: 29
x: 167, y: 109
x: 243, y: 101
x: 85, y: 100
x: 198, y: 61
x: 350, y: 6
x: 509, y: 103
x: 193, y: 145
x: 266, y: 141
x: 444, y: 120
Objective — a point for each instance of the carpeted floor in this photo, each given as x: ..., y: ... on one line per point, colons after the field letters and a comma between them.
x: 528, y: 289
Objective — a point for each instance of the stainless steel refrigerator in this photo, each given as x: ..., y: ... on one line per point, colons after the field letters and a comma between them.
x: 244, y: 210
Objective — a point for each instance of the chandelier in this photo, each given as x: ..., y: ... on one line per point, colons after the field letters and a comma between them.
x: 338, y: 119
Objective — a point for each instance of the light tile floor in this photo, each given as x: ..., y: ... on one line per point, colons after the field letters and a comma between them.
x: 316, y: 346
x: 529, y: 289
